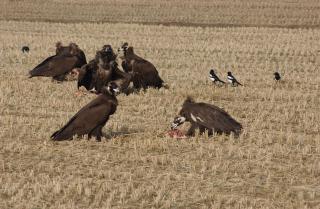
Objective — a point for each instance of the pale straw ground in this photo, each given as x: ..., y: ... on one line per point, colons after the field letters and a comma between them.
x: 274, y: 164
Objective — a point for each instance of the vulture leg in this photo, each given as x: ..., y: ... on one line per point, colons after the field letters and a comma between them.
x: 97, y: 132
x: 192, y: 129
x: 59, y: 78
x: 203, y: 129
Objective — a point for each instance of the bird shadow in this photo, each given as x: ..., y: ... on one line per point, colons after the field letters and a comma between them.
x: 130, y: 90
x: 123, y: 133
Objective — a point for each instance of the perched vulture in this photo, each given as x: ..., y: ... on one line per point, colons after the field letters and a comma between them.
x: 102, y: 70
x: 62, y: 63
x: 91, y: 118
x: 206, y: 117
x: 144, y: 73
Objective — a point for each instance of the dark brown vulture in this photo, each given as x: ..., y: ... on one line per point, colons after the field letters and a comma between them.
x: 91, y: 118
x: 100, y: 71
x: 206, y: 117
x: 62, y: 63
x: 144, y: 73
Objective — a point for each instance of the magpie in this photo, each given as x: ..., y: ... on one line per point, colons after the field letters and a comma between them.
x: 25, y: 49
x: 276, y: 76
x: 233, y: 80
x: 214, y: 78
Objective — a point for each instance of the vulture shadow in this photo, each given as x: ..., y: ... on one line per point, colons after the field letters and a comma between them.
x: 123, y: 132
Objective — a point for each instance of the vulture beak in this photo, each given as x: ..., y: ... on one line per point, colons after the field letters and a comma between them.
x: 174, y: 126
x: 116, y: 91
x: 93, y: 90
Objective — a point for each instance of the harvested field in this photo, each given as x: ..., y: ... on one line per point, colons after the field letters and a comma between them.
x: 274, y: 164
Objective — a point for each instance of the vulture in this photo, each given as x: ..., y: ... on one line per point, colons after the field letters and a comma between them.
x: 206, y: 117
x: 103, y: 69
x: 90, y: 119
x: 144, y: 74
x: 57, y: 66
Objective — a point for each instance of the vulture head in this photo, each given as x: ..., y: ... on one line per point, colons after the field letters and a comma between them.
x: 102, y: 60
x: 107, y: 48
x: 72, y: 50
x: 123, y: 49
x: 182, y: 116
x: 62, y: 50
x: 179, y: 120
x: 108, y: 52
x: 113, y: 88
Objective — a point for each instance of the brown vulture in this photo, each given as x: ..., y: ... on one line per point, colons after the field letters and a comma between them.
x: 103, y: 69
x: 57, y: 66
x: 144, y: 73
x: 90, y: 119
x: 206, y: 117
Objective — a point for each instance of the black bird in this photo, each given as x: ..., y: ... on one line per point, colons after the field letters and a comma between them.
x: 213, y: 77
x: 233, y: 80
x: 277, y: 76
x: 25, y: 49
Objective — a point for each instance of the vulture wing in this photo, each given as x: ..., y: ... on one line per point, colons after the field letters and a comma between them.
x: 125, y: 66
x: 45, y: 61
x: 213, y: 117
x: 85, y: 77
x: 54, y: 66
x: 94, y: 114
x: 149, y: 75
x: 121, y: 78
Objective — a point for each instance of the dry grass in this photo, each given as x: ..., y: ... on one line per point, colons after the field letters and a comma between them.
x: 274, y: 164
x: 268, y: 13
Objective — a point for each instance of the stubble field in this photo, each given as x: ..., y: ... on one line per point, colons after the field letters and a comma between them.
x: 274, y: 164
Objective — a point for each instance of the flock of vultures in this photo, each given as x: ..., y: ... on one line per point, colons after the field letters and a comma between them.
x: 103, y: 76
